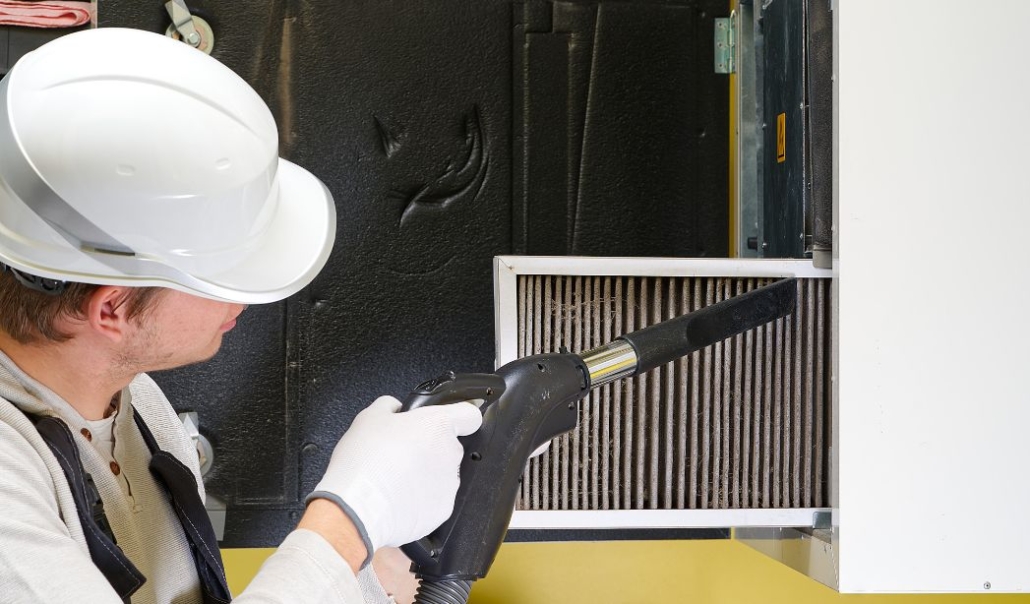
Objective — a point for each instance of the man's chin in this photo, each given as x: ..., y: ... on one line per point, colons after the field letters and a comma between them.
x: 174, y: 362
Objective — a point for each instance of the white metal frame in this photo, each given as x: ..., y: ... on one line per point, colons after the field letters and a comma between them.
x: 637, y: 519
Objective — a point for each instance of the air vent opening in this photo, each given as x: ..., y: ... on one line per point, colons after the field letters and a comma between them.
x: 739, y: 425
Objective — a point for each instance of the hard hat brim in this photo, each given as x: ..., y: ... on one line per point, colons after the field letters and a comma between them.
x: 282, y: 260
x: 294, y: 248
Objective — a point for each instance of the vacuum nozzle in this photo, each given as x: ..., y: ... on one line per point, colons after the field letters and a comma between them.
x: 643, y: 350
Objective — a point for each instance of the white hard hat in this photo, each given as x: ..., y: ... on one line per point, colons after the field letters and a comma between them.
x: 127, y: 158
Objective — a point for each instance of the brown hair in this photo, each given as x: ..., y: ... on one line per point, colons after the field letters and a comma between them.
x: 30, y: 316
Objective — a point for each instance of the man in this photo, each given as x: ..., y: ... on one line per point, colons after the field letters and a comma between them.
x: 142, y: 207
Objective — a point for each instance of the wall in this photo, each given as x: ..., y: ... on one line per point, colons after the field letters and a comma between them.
x: 448, y: 132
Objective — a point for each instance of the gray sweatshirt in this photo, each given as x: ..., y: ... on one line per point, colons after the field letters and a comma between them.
x: 43, y: 555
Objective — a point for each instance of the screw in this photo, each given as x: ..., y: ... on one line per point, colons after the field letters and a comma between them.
x: 987, y: 585
x: 193, y: 38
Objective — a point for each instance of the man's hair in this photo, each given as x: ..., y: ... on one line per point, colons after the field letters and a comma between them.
x: 31, y: 316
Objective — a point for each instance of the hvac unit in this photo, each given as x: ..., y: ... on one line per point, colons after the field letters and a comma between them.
x: 734, y: 436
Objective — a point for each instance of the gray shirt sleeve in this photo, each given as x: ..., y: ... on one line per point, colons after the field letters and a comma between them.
x: 39, y: 559
x: 305, y: 568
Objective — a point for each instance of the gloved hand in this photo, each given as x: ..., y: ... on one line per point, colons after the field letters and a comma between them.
x: 396, y: 474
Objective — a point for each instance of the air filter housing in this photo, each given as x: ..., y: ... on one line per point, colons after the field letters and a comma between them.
x: 733, y: 435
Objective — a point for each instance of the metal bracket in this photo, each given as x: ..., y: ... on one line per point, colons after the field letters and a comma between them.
x: 186, y: 27
x: 182, y: 20
x: 823, y: 519
x: 205, y: 454
x: 726, y: 44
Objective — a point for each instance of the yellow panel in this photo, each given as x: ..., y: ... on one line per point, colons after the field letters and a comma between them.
x: 242, y: 564
x: 632, y: 572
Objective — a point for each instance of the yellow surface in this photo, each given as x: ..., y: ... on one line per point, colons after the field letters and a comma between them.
x: 695, y: 572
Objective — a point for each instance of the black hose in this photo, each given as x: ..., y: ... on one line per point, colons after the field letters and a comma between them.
x: 443, y: 592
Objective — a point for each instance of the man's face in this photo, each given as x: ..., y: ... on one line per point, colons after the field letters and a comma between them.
x: 179, y: 329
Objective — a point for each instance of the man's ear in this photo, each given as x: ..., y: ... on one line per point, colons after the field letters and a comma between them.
x: 107, y: 313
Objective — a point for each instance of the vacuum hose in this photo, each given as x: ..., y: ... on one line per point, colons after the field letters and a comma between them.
x: 443, y: 592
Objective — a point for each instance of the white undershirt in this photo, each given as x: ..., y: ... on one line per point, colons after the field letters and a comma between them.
x: 102, y: 431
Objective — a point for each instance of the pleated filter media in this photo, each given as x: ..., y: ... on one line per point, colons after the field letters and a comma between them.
x: 740, y: 424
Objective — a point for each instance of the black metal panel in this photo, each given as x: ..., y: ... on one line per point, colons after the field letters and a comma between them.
x: 785, y: 194
x: 620, y: 126
x: 408, y: 112
x: 820, y: 121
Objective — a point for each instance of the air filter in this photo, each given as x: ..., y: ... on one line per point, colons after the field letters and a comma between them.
x: 737, y: 428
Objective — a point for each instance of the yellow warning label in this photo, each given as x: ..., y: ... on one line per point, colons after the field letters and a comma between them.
x: 781, y: 138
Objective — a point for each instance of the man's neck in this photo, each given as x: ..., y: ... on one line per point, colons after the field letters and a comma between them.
x: 84, y: 378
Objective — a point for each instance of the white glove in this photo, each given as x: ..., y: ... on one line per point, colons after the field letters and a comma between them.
x: 396, y: 474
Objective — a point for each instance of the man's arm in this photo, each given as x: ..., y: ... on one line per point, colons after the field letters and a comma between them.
x: 328, y: 520
x: 391, y: 480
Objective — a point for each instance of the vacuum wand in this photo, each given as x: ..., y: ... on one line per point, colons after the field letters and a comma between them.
x: 641, y: 351
x: 531, y: 400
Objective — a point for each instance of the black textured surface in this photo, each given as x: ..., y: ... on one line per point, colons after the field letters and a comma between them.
x: 785, y: 195
x: 16, y: 41
x: 416, y: 117
x: 619, y: 121
x: 820, y: 121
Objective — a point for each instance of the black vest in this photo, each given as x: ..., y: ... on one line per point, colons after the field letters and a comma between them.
x: 179, y: 483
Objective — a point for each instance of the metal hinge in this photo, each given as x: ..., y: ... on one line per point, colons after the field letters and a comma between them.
x: 726, y: 44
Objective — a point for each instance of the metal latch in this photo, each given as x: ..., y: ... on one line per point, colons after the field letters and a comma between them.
x: 726, y: 44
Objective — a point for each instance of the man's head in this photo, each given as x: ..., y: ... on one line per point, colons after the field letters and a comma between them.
x: 165, y: 175
x: 138, y: 329
x: 33, y: 313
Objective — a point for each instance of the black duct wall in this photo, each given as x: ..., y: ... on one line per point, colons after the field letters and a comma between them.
x: 448, y: 132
